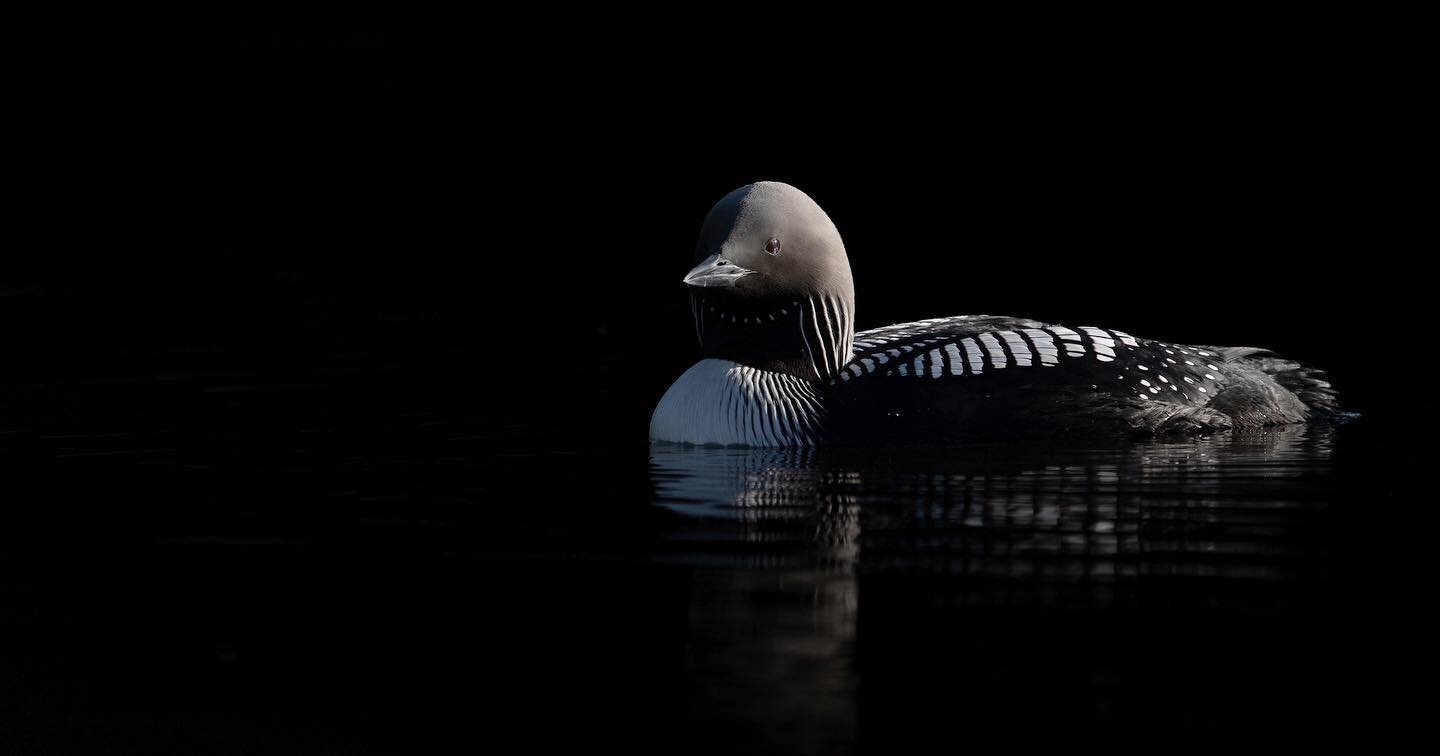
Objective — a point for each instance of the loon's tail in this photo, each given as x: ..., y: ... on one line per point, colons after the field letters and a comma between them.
x: 1311, y: 385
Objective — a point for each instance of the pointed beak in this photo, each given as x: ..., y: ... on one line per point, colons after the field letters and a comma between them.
x: 715, y: 271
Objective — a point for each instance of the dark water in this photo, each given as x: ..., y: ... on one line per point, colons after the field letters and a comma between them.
x: 221, y: 563
x: 975, y: 594
x: 1138, y: 594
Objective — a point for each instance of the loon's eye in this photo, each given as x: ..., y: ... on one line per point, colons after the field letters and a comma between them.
x: 773, y: 246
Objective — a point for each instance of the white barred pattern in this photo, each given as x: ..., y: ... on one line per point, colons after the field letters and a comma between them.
x: 1045, y: 345
x: 997, y: 353
x: 960, y: 355
x: 1018, y: 347
x: 721, y: 403
x: 956, y: 366
x: 972, y: 352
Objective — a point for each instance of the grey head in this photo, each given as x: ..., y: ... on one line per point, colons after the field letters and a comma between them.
x: 772, y: 288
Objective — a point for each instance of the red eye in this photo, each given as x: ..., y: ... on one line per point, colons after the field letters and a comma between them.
x: 773, y: 246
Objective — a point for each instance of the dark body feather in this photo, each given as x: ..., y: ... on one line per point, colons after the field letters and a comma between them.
x: 983, y: 376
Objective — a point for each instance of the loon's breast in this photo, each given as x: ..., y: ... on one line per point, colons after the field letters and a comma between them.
x: 722, y: 403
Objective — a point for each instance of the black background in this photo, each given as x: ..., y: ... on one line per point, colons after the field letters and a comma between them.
x: 288, y: 184
x: 256, y: 249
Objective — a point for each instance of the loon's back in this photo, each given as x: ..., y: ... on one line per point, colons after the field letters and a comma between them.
x: 989, y: 376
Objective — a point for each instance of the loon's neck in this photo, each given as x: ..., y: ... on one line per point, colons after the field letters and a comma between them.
x: 811, y: 338
x: 723, y: 403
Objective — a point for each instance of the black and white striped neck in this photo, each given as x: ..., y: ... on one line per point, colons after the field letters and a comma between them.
x: 827, y: 327
x: 810, y: 337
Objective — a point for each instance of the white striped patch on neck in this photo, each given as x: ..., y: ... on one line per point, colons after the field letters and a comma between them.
x: 722, y: 403
x: 827, y: 330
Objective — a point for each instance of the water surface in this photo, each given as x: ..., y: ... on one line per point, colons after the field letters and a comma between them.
x: 1166, y: 593
x: 331, y: 565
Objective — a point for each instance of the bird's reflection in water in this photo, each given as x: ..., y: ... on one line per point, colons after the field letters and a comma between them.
x: 776, y: 535
x: 782, y: 540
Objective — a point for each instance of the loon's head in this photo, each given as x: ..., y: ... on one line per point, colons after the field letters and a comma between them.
x: 772, y: 287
